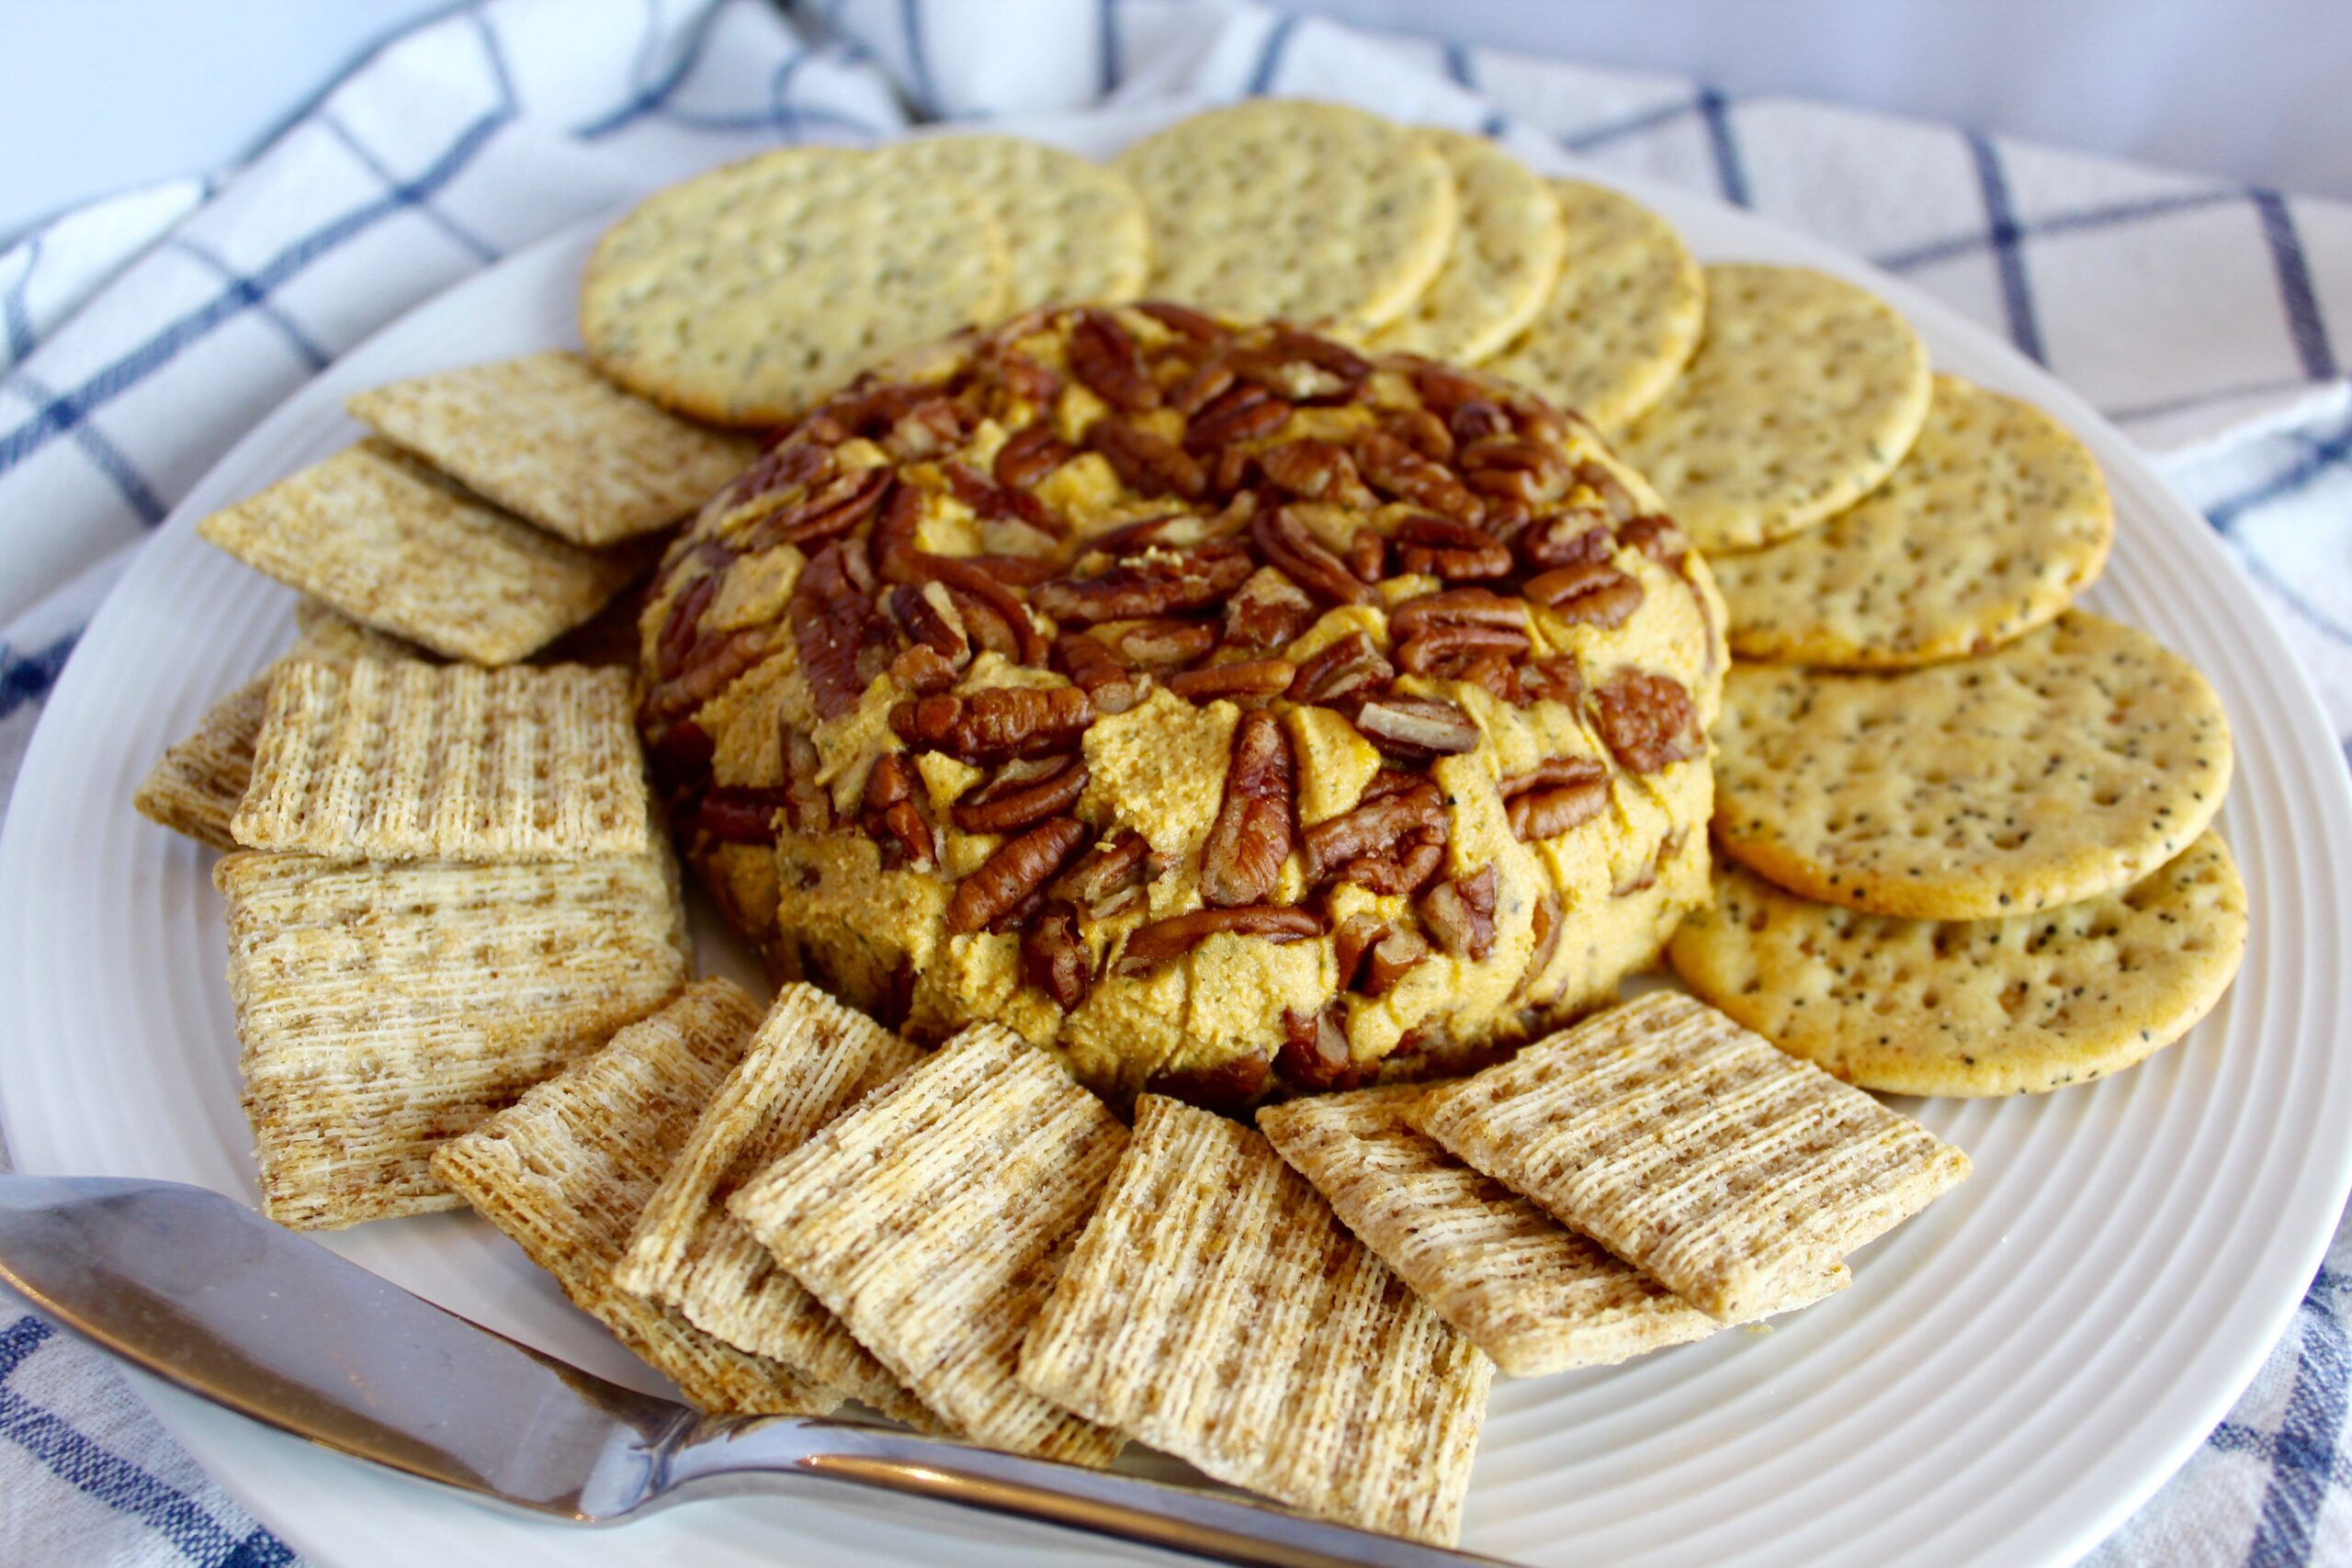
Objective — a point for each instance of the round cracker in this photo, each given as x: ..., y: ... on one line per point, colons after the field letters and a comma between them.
x: 1804, y: 393
x: 2065, y: 766
x: 1508, y: 239
x: 1973, y: 1008
x: 742, y: 295
x: 1622, y: 319
x: 1073, y: 231
x: 1997, y: 521
x: 1321, y: 214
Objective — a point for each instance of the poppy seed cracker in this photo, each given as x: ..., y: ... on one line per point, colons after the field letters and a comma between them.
x: 1073, y: 229
x: 1500, y: 266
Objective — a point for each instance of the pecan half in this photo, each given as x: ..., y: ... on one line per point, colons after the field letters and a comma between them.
x: 997, y: 723
x: 1177, y: 531
x: 1244, y: 412
x: 1314, y: 1053
x: 1449, y: 651
x: 843, y: 644
x: 1110, y: 879
x: 927, y: 428
x: 1368, y: 555
x: 1030, y: 454
x: 1104, y: 355
x: 1266, y: 612
x: 1557, y: 680
x: 1460, y: 914
x: 1242, y: 861
x: 1302, y: 366
x: 1203, y: 385
x: 1020, y: 868
x: 1647, y: 721
x: 1149, y: 946
x: 1555, y: 796
x: 893, y: 816
x: 827, y: 511
x: 968, y: 579
x: 1373, y: 828
x: 1253, y: 680
x: 1053, y: 957
x: 1453, y: 551
x: 1230, y: 1085
x: 1457, y: 607
x: 1021, y: 794
x: 1159, y: 643
x: 1394, y: 468
x: 1155, y: 585
x: 1657, y: 539
x: 1566, y: 538
x: 1185, y: 321
x: 1293, y: 549
x: 1373, y: 954
x: 1346, y: 672
x: 1477, y: 420
x: 1108, y: 684
x: 1529, y: 471
x: 927, y: 617
x: 1592, y: 595
x: 923, y: 670
x: 1422, y: 431
x: 788, y: 465
x: 1315, y: 470
x: 710, y: 667
x: 1415, y: 728
x: 1146, y: 463
x: 741, y: 814
x: 991, y: 501
x: 682, y: 627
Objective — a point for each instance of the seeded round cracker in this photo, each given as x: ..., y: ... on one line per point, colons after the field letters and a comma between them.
x: 1073, y: 229
x: 1972, y: 1008
x: 1624, y: 316
x: 1804, y: 393
x: 1997, y: 521
x: 2067, y: 765
x: 1508, y: 241
x: 743, y: 294
x: 1315, y: 212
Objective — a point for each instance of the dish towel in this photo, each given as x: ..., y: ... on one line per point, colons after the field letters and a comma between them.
x: 145, y: 333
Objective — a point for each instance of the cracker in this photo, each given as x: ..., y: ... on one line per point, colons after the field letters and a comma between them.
x: 933, y: 1218
x: 744, y: 295
x: 2017, y: 1006
x: 556, y: 444
x: 1734, y: 1175
x: 329, y: 636
x: 1217, y: 1309
x: 1997, y: 521
x: 1073, y: 229
x: 1624, y: 315
x: 810, y: 1060
x: 566, y: 1170
x: 1501, y: 264
x: 388, y: 543
x: 1533, y: 1294
x: 1804, y: 393
x: 1319, y: 213
x: 384, y: 1008
x: 2067, y: 765
x: 194, y: 788
x: 403, y: 760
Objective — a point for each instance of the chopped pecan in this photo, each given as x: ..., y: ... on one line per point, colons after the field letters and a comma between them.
x: 989, y: 632
x: 1302, y: 366
x: 1248, y: 681
x: 1648, y: 721
x: 1373, y: 954
x: 1314, y: 1053
x: 1416, y: 727
x: 741, y: 814
x: 711, y: 666
x: 1291, y: 548
x: 1477, y: 420
x: 892, y: 550
x: 1457, y: 607
x: 1110, y: 879
x: 1315, y: 470
x: 1422, y: 431
x: 1593, y: 594
x: 1372, y: 828
x: 1146, y: 464
x: 1395, y: 469
x: 1163, y: 642
x: 1399, y: 868
x: 1029, y: 454
x: 1018, y: 375
x: 1018, y: 869
x: 1530, y: 471
x: 683, y: 625
x: 895, y: 816
x: 1544, y: 926
x: 808, y: 804
x: 1460, y: 913
x: 1444, y: 388
x: 1494, y: 673
x: 1266, y: 612
x: 1242, y: 861
x: 1230, y: 1085
x: 827, y: 511
x: 1657, y: 539
x: 1368, y: 555
x: 1348, y: 670
x: 1112, y: 686
x: 1617, y: 502
x: 1185, y: 321
x: 1566, y: 538
x: 1244, y: 412
x: 1202, y: 386
x: 997, y: 723
x: 1555, y: 796
x: 967, y: 578
x: 1449, y: 651
x: 1454, y: 551
x: 788, y: 465
x: 1155, y: 585
x: 1023, y: 792
x: 1557, y: 680
x: 991, y: 501
x: 1104, y: 354
x: 844, y: 645
x: 868, y: 407
x: 1013, y: 571
x: 1177, y: 531
x: 1149, y: 946
x: 1053, y: 957
x: 928, y: 616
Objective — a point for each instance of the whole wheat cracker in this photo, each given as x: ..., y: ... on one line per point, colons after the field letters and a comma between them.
x: 565, y: 1170
x: 1218, y: 1310
x: 1500, y: 264
x: 1734, y: 1175
x: 934, y: 1217
x: 1530, y: 1293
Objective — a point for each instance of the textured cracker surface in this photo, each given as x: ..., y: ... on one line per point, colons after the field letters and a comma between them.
x: 1804, y: 393
x: 1624, y: 316
x: 1073, y: 229
x: 389, y: 544
x: 2068, y: 764
x: 1523, y: 1288
x: 1729, y: 1172
x: 565, y: 1170
x: 933, y: 1218
x: 405, y: 760
x: 195, y: 786
x: 1996, y: 522
x: 2016, y: 1006
x: 556, y: 444
x: 810, y: 1058
x: 742, y: 295
x: 385, y: 1009
x: 1502, y: 261
x: 1315, y: 212
x: 1218, y: 1310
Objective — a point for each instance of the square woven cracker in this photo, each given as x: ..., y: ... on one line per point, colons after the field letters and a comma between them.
x: 565, y: 1170
x: 1733, y: 1173
x: 390, y: 543
x: 553, y: 442
x: 1526, y: 1290
x: 811, y: 1059
x: 932, y: 1219
x: 384, y: 1008
x: 1217, y: 1309
x: 404, y: 761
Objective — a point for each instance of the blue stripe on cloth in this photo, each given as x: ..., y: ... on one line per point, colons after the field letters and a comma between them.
x: 353, y: 64
x: 1600, y: 136
x: 29, y: 678
x: 2319, y: 457
x: 483, y: 249
x: 1458, y: 67
x: 2304, y: 1454
x: 495, y: 53
x: 59, y: 415
x: 18, y: 314
x: 790, y: 119
x: 2303, y: 321
x: 2008, y: 257
x: 2059, y: 223
x: 647, y: 99
x: 1269, y: 55
x: 918, y: 57
x: 288, y: 327
x: 1106, y: 44
x: 104, y: 454
x: 1731, y: 173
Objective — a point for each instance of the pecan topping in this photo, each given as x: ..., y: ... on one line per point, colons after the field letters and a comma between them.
x: 1314, y: 1053
x: 1530, y: 471
x: 1593, y: 594
x: 1420, y: 430
x: 1266, y: 612
x: 1457, y: 607
x: 1368, y: 555
x: 1417, y: 727
x: 1254, y: 679
x: 967, y: 578
x: 894, y: 814
x: 1146, y: 463
x: 1373, y: 956
x: 1315, y: 470
x: 928, y: 616
x: 1185, y: 321
x: 1203, y: 386
x: 741, y: 814
x: 1178, y: 531
x: 1554, y: 680
x: 1018, y: 869
x: 1230, y: 1085
x: 785, y: 465
x: 1648, y: 721
x: 1029, y: 454
x: 1545, y: 927
x: 1291, y: 548
x: 843, y: 644
x: 1053, y: 957
x: 1103, y: 677
x: 682, y: 626
x: 928, y: 427
x: 808, y: 804
x: 1303, y: 367
x: 1395, y: 469
x: 1569, y: 538
x: 1374, y: 828
x: 1149, y: 946
x: 1109, y: 879
x: 1454, y: 551
x: 1242, y: 859
x: 710, y: 666
x: 1160, y: 643
x: 1477, y: 420
x: 1445, y: 389
x: 681, y: 758
x: 1157, y: 585
x: 1450, y: 650
x: 1104, y: 354
x: 827, y: 511
x: 1245, y: 412
x: 1460, y: 913
x: 1657, y: 539
x: 995, y: 724
x: 1348, y: 670
x: 1023, y: 792
x: 991, y: 501
x: 1555, y: 796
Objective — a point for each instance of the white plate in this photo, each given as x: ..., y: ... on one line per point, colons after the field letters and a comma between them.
x: 2008, y: 1376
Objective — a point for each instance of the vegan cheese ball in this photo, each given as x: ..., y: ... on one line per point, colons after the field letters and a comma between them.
x: 1227, y: 711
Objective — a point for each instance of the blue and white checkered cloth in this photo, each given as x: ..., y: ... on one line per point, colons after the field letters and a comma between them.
x: 141, y: 336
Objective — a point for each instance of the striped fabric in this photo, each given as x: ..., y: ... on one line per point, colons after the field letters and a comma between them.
x: 141, y: 336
